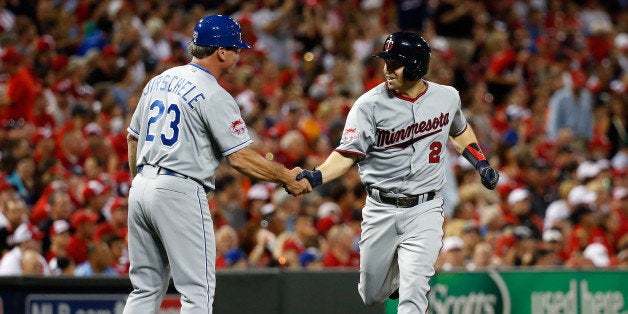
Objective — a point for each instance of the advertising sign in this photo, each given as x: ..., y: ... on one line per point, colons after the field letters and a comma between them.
x: 79, y: 303
x: 527, y: 292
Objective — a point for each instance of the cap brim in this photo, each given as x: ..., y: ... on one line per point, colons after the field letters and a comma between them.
x: 243, y: 45
x: 389, y: 56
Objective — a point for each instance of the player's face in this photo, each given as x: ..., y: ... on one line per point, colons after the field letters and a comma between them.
x: 394, y: 74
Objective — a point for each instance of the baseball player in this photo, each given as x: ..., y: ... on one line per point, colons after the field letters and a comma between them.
x: 184, y: 125
x: 397, y: 134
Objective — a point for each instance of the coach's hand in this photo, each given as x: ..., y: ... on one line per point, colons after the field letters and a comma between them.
x: 488, y: 175
x: 295, y: 186
x: 315, y: 177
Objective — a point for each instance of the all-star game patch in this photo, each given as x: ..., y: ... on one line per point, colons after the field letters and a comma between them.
x: 238, y: 127
x: 350, y: 135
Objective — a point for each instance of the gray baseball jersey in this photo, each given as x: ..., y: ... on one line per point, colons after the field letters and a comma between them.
x: 187, y: 122
x: 402, y: 141
x: 402, y: 145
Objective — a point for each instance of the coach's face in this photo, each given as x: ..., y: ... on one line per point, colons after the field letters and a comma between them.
x: 394, y: 75
x: 231, y: 55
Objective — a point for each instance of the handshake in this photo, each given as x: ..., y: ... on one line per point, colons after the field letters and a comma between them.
x: 298, y: 186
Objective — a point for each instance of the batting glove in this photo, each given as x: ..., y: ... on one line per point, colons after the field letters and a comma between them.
x: 488, y: 175
x: 315, y: 177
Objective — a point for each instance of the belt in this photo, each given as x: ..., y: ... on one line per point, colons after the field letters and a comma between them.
x: 400, y: 200
x: 164, y: 171
x: 168, y: 172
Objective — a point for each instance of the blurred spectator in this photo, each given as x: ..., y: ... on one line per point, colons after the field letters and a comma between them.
x: 561, y: 208
x: 95, y: 196
x: 597, y: 254
x: 271, y: 24
x: 98, y: 261
x: 554, y: 245
x: 229, y: 199
x: 452, y: 255
x: 59, y: 236
x: 304, y: 234
x: 455, y: 20
x: 571, y: 108
x: 257, y: 196
x: 119, y: 253
x: 519, y: 212
x: 228, y: 254
x: 116, y: 223
x: 523, y: 252
x: 31, y: 263
x: 341, y: 252
x: 18, y: 102
x: 23, y: 179
x: 482, y: 257
x: 27, y: 238
x: 58, y: 207
x: 586, y: 230
x: 540, y: 179
x: 14, y: 213
x: 83, y: 223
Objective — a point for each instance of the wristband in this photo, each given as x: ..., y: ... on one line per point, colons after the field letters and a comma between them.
x: 473, y: 154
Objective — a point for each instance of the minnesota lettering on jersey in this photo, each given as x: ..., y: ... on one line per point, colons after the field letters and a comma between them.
x: 405, y: 137
x: 175, y: 85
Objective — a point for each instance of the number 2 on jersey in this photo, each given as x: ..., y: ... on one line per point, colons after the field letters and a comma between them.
x: 172, y: 114
x: 435, y: 149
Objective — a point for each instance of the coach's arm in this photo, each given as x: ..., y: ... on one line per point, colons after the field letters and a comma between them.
x: 131, y: 142
x: 252, y: 164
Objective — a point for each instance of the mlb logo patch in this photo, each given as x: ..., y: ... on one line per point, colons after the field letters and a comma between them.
x: 238, y: 127
x: 350, y: 135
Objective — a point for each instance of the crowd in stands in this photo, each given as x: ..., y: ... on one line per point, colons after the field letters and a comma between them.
x: 543, y: 82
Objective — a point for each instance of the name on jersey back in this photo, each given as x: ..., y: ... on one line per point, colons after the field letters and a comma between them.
x: 176, y: 85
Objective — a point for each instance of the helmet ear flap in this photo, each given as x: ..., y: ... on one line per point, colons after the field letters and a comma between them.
x: 415, y: 70
x: 411, y: 71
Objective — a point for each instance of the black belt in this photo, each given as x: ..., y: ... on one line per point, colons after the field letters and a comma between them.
x: 401, y: 200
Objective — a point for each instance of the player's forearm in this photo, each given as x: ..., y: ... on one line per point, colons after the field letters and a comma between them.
x: 463, y: 140
x: 252, y: 164
x: 335, y: 165
x: 132, y: 154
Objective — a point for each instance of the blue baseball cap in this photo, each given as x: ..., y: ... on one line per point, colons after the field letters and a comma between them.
x: 218, y: 31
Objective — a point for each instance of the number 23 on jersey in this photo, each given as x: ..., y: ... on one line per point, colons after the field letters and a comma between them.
x: 168, y: 132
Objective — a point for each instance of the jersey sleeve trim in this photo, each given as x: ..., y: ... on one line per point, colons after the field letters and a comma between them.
x: 349, y: 152
x: 237, y: 147
x: 133, y: 132
x: 461, y: 131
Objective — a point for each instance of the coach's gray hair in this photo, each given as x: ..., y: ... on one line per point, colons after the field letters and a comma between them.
x: 201, y: 52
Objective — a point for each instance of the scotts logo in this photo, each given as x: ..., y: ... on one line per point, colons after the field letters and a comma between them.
x: 237, y: 127
x: 349, y: 135
x: 389, y: 44
x: 479, y: 294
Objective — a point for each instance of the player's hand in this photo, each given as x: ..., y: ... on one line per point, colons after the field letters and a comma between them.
x: 488, y: 175
x: 297, y: 186
x: 314, y: 177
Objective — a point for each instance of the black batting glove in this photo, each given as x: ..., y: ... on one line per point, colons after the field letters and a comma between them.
x: 315, y: 177
x: 488, y: 175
